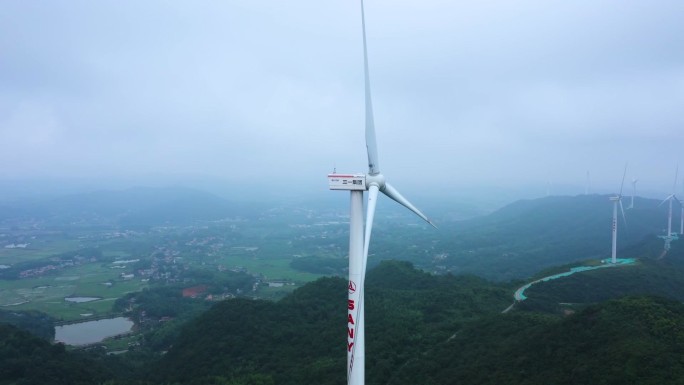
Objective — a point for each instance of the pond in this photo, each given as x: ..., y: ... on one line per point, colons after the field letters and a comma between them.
x: 90, y: 332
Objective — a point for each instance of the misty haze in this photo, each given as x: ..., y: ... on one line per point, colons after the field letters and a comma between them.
x: 261, y: 193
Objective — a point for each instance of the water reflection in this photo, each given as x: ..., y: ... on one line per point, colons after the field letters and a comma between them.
x: 90, y: 332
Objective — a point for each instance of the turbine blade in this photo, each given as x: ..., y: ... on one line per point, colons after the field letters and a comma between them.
x: 371, y: 146
x: 360, y: 289
x: 623, y: 180
x: 370, y: 215
x: 665, y: 200
x: 624, y: 219
x: 674, y: 187
x: 394, y: 194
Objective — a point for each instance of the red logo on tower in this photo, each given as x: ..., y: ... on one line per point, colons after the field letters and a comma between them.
x: 352, y: 287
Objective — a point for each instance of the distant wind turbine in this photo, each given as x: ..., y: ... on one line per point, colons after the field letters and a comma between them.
x: 634, y: 182
x: 587, y: 185
x: 359, y: 241
x: 681, y: 220
x: 617, y: 200
x: 681, y: 215
x: 670, y: 198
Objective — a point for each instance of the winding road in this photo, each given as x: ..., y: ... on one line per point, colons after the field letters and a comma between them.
x: 519, y: 294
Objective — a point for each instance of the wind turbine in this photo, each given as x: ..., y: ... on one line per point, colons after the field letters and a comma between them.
x: 359, y: 238
x: 617, y: 200
x: 670, y: 198
x: 586, y: 186
x: 681, y: 220
x: 634, y: 182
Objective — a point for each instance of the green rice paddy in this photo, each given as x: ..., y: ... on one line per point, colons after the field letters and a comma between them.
x: 47, y: 293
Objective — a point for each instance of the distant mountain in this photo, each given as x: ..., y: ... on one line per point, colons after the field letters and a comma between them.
x: 183, y: 206
x: 526, y: 236
x: 140, y: 206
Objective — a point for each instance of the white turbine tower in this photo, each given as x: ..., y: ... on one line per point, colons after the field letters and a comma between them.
x: 359, y: 240
x: 634, y: 182
x: 670, y: 198
x: 681, y: 220
x: 617, y: 200
x: 681, y: 215
x: 587, y: 184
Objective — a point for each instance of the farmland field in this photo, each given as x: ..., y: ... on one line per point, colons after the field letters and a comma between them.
x: 38, y: 250
x: 108, y: 264
x: 47, y: 293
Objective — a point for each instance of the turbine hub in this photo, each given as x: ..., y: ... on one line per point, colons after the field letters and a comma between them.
x: 377, y: 180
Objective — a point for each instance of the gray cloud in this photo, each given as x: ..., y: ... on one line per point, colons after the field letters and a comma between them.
x: 491, y: 92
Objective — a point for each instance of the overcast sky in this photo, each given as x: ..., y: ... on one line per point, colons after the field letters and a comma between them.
x: 466, y: 93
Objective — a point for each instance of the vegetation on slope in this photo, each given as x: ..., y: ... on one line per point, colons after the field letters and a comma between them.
x: 633, y: 340
x: 529, y: 235
x: 37, y: 323
x: 29, y: 360
x: 421, y: 328
x: 301, y: 339
x: 652, y: 275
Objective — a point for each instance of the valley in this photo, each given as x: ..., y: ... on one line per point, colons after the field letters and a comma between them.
x: 196, y: 287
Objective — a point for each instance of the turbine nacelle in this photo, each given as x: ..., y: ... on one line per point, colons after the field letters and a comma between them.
x: 362, y: 182
x: 358, y: 182
x: 617, y: 200
x: 347, y: 182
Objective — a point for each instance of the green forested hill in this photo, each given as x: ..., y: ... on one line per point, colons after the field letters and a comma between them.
x: 421, y: 329
x: 295, y: 341
x: 655, y: 274
x: 29, y: 360
x: 430, y: 330
x: 436, y: 330
x: 301, y: 339
x: 634, y: 340
x: 37, y: 323
x: 528, y: 235
x: 646, y: 277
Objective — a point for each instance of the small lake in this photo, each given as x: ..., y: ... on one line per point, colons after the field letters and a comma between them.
x: 81, y: 299
x: 90, y: 332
